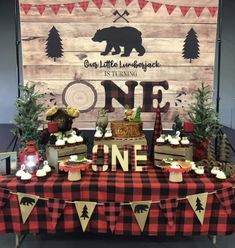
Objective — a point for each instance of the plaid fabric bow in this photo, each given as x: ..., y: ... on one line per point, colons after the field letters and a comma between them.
x: 226, y: 196
x: 169, y: 207
x: 56, y: 208
x: 112, y: 211
x: 4, y: 196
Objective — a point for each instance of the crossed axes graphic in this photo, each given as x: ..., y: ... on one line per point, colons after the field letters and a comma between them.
x: 116, y: 12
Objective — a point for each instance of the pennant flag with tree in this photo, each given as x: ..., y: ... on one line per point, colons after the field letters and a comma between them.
x: 191, y: 48
x: 84, y: 210
x: 54, y: 46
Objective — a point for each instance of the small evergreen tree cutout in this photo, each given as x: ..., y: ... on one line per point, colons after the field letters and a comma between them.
x: 199, y: 205
x: 84, y: 213
x: 191, y: 46
x: 224, y: 149
x: 211, y: 151
x: 54, y: 46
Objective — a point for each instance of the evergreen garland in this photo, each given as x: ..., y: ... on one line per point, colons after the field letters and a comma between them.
x: 203, y: 115
x: 27, y: 117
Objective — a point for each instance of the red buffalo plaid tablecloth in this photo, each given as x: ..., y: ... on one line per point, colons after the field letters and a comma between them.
x: 111, y: 187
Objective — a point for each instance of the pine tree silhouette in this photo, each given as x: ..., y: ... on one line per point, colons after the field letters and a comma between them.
x: 84, y: 213
x: 54, y: 46
x: 199, y: 205
x: 191, y: 46
x: 224, y: 149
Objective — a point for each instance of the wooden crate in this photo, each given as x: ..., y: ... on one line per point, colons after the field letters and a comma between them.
x: 120, y: 144
x: 166, y: 151
x: 55, y: 154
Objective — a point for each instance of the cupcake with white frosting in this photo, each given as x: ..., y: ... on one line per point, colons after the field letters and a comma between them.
x: 184, y: 141
x: 26, y: 177
x: 60, y: 142
x: 19, y: 174
x: 174, y: 142
x: 221, y: 175
x: 160, y: 140
x: 41, y: 174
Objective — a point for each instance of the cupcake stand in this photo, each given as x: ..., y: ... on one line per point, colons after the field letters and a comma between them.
x: 74, y: 171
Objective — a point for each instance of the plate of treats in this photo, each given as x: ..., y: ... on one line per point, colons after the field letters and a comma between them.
x: 170, y: 163
x: 76, y: 160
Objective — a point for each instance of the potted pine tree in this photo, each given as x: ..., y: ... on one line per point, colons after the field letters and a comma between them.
x: 205, y: 120
x: 27, y: 118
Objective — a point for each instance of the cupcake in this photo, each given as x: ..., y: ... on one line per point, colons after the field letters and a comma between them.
x: 26, y: 177
x: 221, y: 175
x: 60, y: 142
x: 71, y: 140
x: 79, y: 139
x: 41, y: 174
x: 19, y: 174
x: 215, y: 170
x: 160, y: 140
x: 46, y: 167
x: 108, y: 134
x: 174, y: 142
x: 185, y: 141
x: 199, y: 170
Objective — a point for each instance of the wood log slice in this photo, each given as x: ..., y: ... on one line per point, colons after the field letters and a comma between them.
x: 126, y: 129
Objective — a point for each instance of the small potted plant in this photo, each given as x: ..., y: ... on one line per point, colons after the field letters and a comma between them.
x: 205, y: 120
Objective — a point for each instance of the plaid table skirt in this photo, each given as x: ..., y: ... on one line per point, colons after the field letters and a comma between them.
x: 102, y: 187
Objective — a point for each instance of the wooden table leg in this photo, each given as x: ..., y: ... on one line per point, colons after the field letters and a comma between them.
x: 213, y: 239
x: 19, y: 239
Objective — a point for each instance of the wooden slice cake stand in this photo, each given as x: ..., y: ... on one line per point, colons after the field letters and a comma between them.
x: 74, y: 169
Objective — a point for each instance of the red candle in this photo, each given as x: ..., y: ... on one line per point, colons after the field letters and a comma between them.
x: 53, y: 127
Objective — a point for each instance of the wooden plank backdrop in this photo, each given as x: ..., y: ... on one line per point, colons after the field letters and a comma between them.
x: 163, y: 37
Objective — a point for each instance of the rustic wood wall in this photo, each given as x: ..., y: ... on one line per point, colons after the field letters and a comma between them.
x: 163, y: 37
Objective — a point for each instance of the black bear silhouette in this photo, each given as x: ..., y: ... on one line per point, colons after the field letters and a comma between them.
x: 141, y: 208
x: 127, y: 37
x: 27, y: 201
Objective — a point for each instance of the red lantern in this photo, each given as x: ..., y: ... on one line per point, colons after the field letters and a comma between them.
x: 188, y: 127
x: 30, y: 157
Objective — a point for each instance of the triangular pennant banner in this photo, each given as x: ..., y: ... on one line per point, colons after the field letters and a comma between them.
x: 112, y: 211
x: 69, y: 7
x: 84, y: 211
x: 156, y: 6
x: 4, y: 197
x: 55, y: 8
x: 184, y: 10
x: 27, y: 203
x: 84, y: 5
x: 26, y: 7
x: 226, y: 197
x: 128, y: 2
x: 169, y: 207
x: 142, y: 3
x: 55, y: 208
x: 113, y: 2
x: 212, y: 10
x: 98, y: 3
x: 141, y: 210
x: 198, y: 10
x: 170, y: 8
x: 41, y: 8
x: 198, y: 204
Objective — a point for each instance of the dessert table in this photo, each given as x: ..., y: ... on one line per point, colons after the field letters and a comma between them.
x: 118, y: 187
